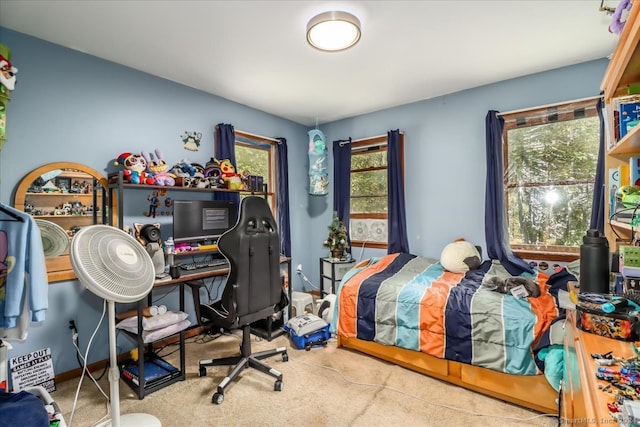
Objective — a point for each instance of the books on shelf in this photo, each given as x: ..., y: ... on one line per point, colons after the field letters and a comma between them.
x: 629, y: 117
x: 626, y: 115
x: 156, y: 370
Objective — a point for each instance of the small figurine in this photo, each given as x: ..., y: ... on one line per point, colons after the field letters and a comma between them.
x: 154, y: 202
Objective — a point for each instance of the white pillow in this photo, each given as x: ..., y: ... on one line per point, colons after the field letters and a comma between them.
x: 460, y: 257
x: 151, y: 336
x: 152, y: 323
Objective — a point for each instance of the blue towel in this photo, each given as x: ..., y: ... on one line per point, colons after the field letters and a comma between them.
x: 22, y: 409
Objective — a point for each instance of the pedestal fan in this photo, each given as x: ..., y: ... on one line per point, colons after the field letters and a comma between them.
x: 114, y: 266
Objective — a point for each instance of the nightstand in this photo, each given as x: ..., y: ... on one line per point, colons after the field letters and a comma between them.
x: 332, y: 270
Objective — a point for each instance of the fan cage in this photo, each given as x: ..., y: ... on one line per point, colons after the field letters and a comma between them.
x: 112, y: 264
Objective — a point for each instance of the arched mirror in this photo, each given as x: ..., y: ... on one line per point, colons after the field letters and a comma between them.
x: 68, y: 194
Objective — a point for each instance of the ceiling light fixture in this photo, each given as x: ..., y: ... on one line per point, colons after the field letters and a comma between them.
x: 333, y: 31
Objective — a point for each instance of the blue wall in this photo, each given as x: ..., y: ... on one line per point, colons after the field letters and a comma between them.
x: 70, y: 106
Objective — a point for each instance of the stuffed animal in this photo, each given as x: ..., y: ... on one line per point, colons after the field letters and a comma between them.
x: 183, y: 169
x: 158, y: 168
x: 504, y: 285
x: 213, y: 173
x: 619, y: 17
x: 229, y: 175
x: 460, y: 256
x: 7, y: 73
x: 135, y: 168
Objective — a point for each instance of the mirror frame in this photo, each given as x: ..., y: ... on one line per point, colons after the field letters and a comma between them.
x: 58, y: 268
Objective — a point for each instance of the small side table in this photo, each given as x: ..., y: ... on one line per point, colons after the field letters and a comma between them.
x: 332, y: 270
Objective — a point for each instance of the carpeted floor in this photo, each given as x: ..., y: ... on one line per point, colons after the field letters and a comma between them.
x: 322, y: 387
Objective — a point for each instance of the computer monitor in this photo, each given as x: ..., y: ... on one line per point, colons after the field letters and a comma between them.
x: 202, y: 220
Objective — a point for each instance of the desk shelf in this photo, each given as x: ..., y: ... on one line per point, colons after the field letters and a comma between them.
x: 145, y: 350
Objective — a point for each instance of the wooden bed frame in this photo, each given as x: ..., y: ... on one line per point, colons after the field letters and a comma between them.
x: 529, y: 391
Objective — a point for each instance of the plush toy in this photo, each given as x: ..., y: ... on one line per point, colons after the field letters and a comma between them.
x: 628, y: 195
x: 183, y: 169
x: 135, y: 168
x: 504, y: 285
x: 229, y: 175
x: 213, y: 173
x: 619, y: 17
x: 460, y: 256
x: 158, y: 168
x: 7, y: 73
x: 148, y: 235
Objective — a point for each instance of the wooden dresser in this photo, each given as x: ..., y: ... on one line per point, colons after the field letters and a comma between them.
x: 583, y: 403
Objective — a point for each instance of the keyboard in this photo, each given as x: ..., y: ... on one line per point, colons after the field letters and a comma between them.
x: 220, y: 263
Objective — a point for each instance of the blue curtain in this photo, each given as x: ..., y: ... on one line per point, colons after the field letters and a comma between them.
x: 397, y: 240
x: 597, y: 208
x: 495, y: 223
x: 342, y: 181
x: 282, y: 197
x: 226, y: 149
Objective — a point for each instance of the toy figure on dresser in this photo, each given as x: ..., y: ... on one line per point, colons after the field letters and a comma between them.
x: 231, y: 178
x: 158, y: 168
x: 135, y: 168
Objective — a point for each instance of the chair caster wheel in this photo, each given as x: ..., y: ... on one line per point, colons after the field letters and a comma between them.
x: 285, y: 357
x: 277, y: 386
x: 202, y: 372
x: 217, y: 398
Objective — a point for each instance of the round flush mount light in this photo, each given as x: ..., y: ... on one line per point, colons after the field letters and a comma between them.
x: 333, y: 31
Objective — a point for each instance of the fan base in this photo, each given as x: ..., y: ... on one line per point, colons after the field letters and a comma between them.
x: 135, y: 420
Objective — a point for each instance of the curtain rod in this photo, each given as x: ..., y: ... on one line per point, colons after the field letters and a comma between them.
x: 258, y: 136
x: 349, y: 141
x: 550, y: 105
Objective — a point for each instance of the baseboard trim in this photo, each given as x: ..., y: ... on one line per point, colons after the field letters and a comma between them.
x: 101, y: 364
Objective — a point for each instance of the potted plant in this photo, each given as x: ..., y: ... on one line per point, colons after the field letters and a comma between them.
x: 337, y: 241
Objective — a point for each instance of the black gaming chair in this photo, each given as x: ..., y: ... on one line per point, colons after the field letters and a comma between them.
x: 253, y: 290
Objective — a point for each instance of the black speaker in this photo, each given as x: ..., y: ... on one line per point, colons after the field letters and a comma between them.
x: 150, y: 233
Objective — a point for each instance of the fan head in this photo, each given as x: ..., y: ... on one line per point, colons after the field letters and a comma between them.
x: 55, y: 241
x: 111, y: 263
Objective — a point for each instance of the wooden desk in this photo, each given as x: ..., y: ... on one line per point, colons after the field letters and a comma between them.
x: 583, y: 403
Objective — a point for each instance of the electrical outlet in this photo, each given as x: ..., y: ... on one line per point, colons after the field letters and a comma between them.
x: 299, y: 269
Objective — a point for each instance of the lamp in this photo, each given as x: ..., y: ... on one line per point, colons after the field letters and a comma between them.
x: 333, y: 31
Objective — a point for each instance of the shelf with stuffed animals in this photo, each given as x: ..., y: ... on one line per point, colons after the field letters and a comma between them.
x: 621, y: 88
x: 143, y: 172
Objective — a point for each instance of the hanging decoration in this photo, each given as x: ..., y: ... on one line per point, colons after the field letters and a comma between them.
x: 7, y: 83
x: 318, y: 176
x: 191, y: 140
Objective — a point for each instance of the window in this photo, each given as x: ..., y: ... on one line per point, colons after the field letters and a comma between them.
x: 256, y: 154
x: 368, y: 195
x: 550, y: 158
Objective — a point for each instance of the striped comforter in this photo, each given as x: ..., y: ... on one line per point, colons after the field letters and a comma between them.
x: 412, y: 302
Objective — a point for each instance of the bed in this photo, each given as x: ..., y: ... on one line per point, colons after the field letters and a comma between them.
x: 410, y: 311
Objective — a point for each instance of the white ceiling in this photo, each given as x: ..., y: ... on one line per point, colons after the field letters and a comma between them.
x: 255, y: 52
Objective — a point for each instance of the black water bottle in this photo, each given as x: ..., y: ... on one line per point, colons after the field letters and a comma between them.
x: 594, y: 263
